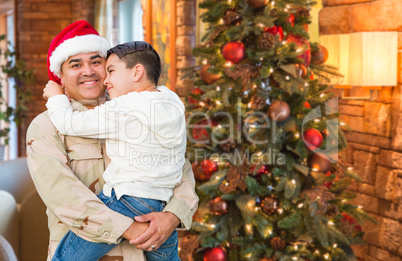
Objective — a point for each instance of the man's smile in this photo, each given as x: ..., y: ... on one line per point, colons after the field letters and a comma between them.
x: 89, y: 82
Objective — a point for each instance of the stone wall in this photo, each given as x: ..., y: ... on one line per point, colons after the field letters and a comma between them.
x: 375, y: 144
x: 38, y: 22
x: 185, y: 42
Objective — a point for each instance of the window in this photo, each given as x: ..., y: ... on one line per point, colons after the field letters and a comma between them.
x: 122, y: 21
x: 119, y: 21
x: 9, y: 93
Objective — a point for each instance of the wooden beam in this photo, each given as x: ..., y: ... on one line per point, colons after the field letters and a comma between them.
x: 172, y: 43
x: 148, y: 21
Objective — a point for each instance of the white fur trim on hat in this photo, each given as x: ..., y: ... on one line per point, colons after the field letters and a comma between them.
x: 80, y: 44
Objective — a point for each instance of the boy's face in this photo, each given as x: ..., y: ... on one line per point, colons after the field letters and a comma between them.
x: 119, y: 79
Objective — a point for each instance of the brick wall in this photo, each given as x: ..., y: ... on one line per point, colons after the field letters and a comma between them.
x: 83, y: 10
x: 37, y: 23
x: 375, y: 144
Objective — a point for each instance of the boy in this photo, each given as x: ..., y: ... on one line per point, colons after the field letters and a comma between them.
x: 144, y: 128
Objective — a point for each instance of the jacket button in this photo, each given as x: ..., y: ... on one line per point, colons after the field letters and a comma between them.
x: 106, y: 234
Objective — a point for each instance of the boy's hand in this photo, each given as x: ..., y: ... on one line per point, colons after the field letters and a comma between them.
x: 52, y: 89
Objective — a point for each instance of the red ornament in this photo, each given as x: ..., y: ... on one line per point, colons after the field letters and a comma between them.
x: 311, y: 76
x: 291, y: 19
x: 218, y: 206
x: 196, y: 92
x: 234, y: 51
x: 330, y: 183
x: 279, y: 111
x: 200, y: 132
x: 262, y: 171
x: 215, y: 254
x: 206, y: 76
x: 209, y: 167
x: 347, y: 220
x: 307, y: 105
x: 300, y: 42
x: 275, y: 30
x: 319, y: 162
x: 199, y: 175
x: 312, y: 139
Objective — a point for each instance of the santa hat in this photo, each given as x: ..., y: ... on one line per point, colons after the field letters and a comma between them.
x: 78, y: 37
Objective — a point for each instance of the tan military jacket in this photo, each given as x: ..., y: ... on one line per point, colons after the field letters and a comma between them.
x: 67, y: 172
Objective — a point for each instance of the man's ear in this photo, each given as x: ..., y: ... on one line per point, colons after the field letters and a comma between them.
x: 139, y: 71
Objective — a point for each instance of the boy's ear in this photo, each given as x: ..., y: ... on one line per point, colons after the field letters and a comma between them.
x: 139, y: 71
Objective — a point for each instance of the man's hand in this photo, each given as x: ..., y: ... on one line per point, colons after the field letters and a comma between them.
x: 52, y: 89
x: 162, y: 225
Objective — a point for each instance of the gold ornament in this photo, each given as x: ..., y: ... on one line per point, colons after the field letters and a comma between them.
x: 269, y: 205
x: 278, y: 244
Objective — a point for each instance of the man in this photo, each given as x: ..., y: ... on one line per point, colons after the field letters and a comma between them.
x: 67, y: 171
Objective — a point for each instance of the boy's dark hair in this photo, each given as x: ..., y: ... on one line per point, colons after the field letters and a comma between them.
x: 139, y: 52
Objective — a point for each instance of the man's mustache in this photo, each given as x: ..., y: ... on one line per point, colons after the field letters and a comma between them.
x: 91, y: 78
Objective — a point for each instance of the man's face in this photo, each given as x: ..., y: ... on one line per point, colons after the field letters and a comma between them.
x: 120, y: 79
x: 82, y: 75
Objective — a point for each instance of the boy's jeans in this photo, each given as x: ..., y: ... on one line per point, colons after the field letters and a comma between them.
x: 72, y: 247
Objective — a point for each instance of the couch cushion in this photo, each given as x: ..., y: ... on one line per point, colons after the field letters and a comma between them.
x: 34, y: 230
x: 15, y: 178
x: 6, y: 251
x: 9, y: 220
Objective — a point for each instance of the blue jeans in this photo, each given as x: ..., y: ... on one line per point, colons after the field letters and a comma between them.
x: 72, y: 247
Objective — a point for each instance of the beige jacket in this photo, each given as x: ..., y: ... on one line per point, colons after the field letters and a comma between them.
x: 67, y: 172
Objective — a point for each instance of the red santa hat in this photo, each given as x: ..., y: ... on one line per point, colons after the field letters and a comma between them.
x: 78, y: 37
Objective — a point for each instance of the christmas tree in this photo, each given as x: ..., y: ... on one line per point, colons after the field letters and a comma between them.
x: 265, y: 140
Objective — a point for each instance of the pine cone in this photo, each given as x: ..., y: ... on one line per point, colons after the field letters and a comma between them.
x: 274, y: 13
x: 228, y: 145
x: 266, y: 41
x: 302, y: 12
x: 278, y: 244
x: 258, y: 102
x: 231, y: 17
x: 332, y: 211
